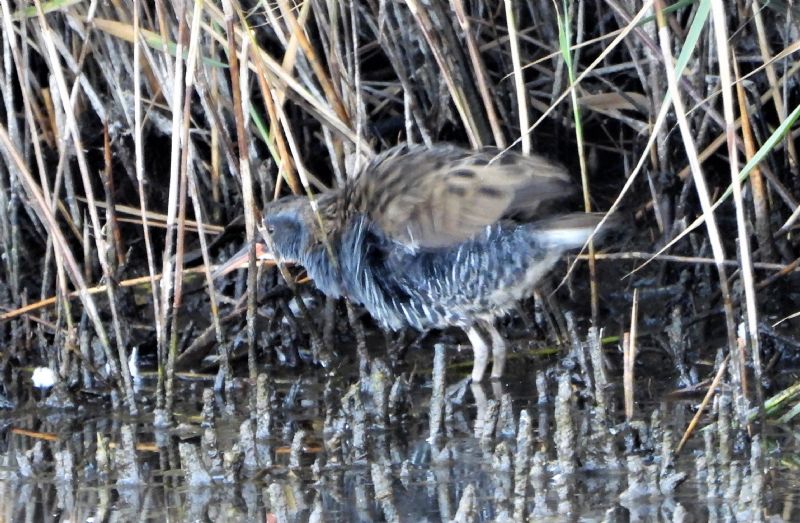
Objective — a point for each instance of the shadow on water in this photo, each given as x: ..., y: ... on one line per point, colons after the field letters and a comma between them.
x: 549, y: 443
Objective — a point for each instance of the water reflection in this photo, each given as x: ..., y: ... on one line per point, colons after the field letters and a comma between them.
x: 540, y: 447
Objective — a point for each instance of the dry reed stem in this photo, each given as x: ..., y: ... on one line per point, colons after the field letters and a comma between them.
x: 481, y: 77
x: 47, y: 218
x: 97, y: 289
x: 721, y: 139
x: 772, y: 77
x: 165, y: 385
x: 238, y: 76
x: 327, y: 86
x: 701, y: 187
x: 83, y: 168
x: 651, y: 139
x: 629, y: 358
x: 456, y: 89
x: 703, y: 404
x: 614, y: 43
x: 284, y: 158
x: 519, y: 80
x: 748, y: 281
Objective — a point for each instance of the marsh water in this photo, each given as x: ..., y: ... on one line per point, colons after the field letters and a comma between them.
x: 364, y: 442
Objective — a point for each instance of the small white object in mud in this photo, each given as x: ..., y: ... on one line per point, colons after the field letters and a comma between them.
x: 43, y: 377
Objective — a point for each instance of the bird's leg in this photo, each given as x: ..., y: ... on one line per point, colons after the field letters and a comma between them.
x: 498, y: 351
x: 481, y: 403
x: 481, y: 351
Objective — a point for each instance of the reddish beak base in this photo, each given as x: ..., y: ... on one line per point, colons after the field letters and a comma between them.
x: 239, y: 260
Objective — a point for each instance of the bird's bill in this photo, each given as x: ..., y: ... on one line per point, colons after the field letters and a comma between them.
x: 240, y: 259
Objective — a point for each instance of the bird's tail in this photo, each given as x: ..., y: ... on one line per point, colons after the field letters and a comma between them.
x: 571, y: 231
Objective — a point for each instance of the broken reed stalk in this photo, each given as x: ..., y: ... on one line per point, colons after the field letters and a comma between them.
x: 629, y: 358
x: 712, y: 389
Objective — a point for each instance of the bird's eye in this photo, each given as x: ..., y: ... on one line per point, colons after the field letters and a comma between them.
x: 271, y: 229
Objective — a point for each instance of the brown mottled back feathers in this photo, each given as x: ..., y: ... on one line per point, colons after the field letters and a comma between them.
x: 435, y: 197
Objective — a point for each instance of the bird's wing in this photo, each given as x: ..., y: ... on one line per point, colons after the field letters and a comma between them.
x: 435, y: 197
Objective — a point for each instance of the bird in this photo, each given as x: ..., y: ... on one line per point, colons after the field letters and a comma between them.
x: 432, y: 237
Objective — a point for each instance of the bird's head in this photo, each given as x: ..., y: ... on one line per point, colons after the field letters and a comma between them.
x: 292, y: 228
x: 286, y: 230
